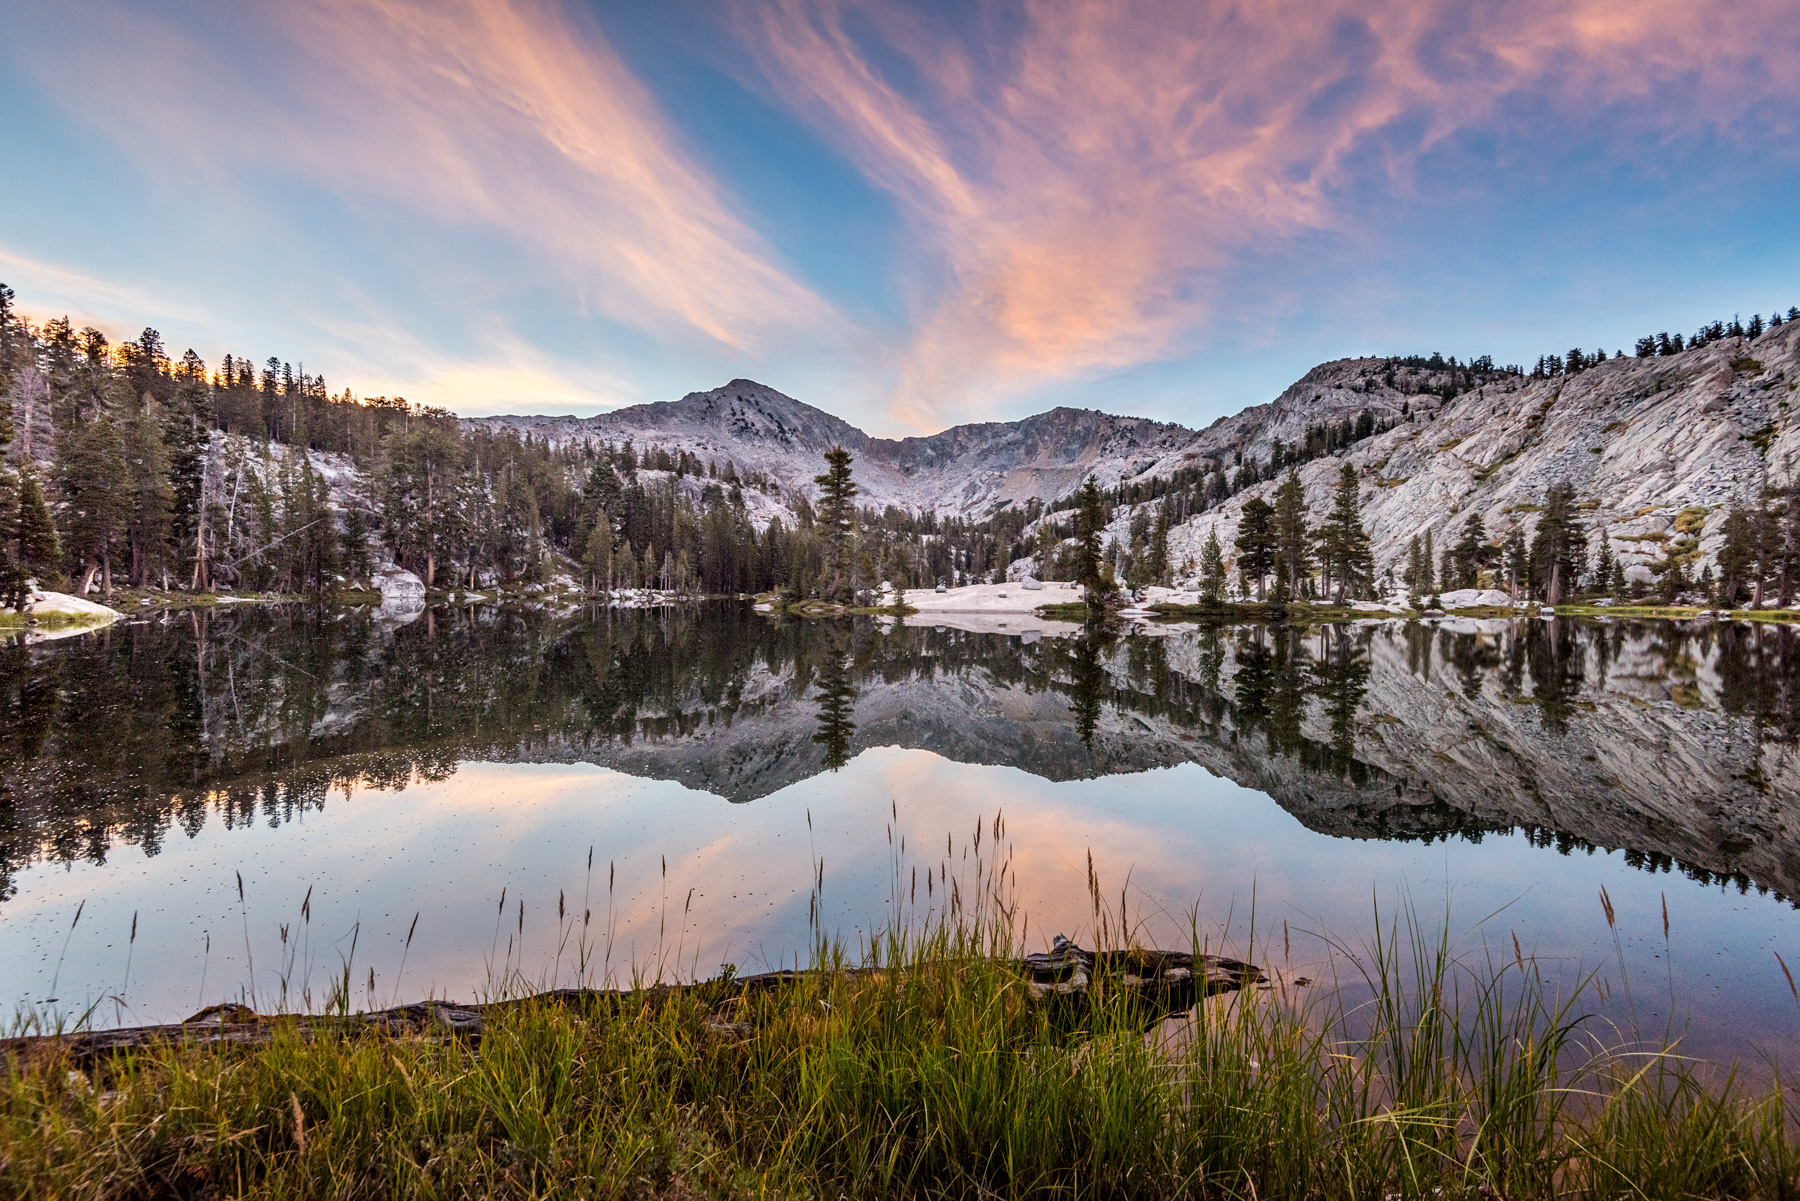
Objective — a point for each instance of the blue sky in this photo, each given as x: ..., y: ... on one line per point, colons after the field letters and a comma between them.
x: 910, y: 215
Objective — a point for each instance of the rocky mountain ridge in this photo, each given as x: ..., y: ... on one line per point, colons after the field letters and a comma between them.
x: 965, y: 469
x: 1656, y: 448
x: 1643, y: 440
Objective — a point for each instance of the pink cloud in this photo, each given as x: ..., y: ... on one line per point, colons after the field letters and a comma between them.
x: 1084, y: 187
x: 502, y: 115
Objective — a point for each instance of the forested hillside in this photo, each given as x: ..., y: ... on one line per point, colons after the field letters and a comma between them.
x: 122, y: 465
x: 125, y: 465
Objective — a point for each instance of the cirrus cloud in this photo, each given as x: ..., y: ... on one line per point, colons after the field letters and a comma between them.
x: 484, y: 117
x: 1086, y: 188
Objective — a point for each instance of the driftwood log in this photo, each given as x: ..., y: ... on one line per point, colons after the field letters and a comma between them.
x: 1151, y: 984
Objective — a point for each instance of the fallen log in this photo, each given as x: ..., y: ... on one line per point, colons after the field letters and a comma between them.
x: 1072, y: 982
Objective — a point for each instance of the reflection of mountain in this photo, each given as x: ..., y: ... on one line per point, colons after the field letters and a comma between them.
x: 967, y: 720
x: 1673, y: 744
x: 1637, y: 742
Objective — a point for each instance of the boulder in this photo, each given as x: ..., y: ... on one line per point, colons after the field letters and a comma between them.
x: 399, y: 586
x: 1468, y: 598
x: 43, y: 603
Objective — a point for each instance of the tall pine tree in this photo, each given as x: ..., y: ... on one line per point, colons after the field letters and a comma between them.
x: 1255, y: 543
x: 837, y: 517
x: 1293, y: 542
x: 1344, y: 544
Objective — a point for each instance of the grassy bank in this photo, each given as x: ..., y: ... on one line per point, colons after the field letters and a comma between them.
x: 938, y: 1076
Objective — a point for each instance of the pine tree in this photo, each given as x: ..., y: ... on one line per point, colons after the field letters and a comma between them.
x: 1471, y: 552
x: 96, y: 505
x: 1292, y: 539
x: 188, y: 436
x: 1278, y: 592
x: 13, y: 573
x: 39, y: 550
x: 837, y: 515
x: 356, y: 543
x: 1600, y: 573
x: 1517, y: 562
x: 1415, y: 568
x: 1090, y: 524
x: 1255, y: 543
x: 13, y: 346
x: 1738, y: 557
x: 1559, y: 546
x: 420, y: 482
x: 1157, y: 560
x: 152, y: 495
x: 312, y: 530
x: 1212, y: 570
x: 1344, y: 544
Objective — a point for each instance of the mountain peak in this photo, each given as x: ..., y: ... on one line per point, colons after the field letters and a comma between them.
x: 1457, y: 438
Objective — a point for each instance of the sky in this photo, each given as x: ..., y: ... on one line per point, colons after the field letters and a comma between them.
x: 910, y: 214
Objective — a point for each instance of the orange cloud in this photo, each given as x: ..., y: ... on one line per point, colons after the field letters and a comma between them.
x: 480, y: 114
x: 1084, y: 186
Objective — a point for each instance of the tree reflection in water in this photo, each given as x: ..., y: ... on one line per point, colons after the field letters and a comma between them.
x: 1673, y: 741
x: 836, y: 698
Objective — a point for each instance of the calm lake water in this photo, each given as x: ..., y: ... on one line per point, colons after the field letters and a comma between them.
x: 267, y: 796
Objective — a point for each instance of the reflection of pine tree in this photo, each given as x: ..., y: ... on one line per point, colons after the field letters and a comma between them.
x: 1252, y: 680
x: 1473, y: 660
x: 1758, y: 668
x: 1419, y: 639
x: 1288, y: 679
x: 1343, y: 675
x: 1553, y: 657
x: 837, y: 705
x: 1212, y: 657
x: 1088, y: 686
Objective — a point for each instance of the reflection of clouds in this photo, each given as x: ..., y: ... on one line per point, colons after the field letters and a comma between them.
x: 447, y: 848
x: 1084, y: 185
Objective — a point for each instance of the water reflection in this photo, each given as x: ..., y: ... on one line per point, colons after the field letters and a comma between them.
x: 1673, y: 742
x: 432, y: 763
x: 836, y: 698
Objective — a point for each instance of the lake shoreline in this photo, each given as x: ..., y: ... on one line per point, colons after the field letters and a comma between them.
x: 940, y: 1069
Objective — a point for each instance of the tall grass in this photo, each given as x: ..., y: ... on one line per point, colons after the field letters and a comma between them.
x: 923, y: 1067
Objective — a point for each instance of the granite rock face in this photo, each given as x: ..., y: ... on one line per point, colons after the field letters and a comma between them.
x: 1656, y: 449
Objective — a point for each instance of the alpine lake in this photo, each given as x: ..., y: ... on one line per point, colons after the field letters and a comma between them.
x: 281, y: 804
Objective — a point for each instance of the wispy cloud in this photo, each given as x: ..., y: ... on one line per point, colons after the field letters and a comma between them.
x: 486, y: 117
x: 1087, y: 183
x: 377, y: 356
x: 48, y: 290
